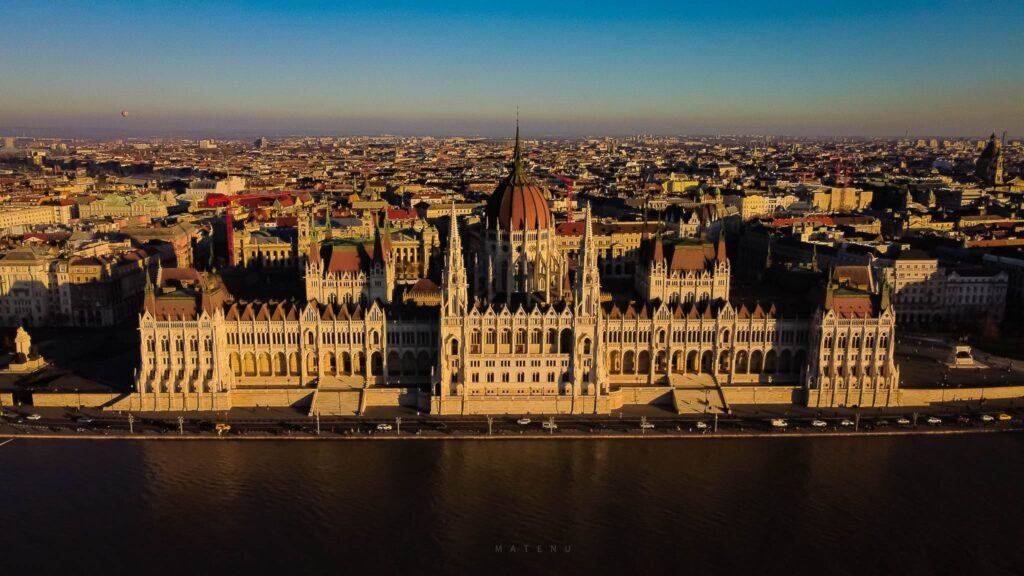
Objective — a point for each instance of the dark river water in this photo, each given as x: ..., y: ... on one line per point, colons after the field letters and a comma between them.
x: 905, y: 505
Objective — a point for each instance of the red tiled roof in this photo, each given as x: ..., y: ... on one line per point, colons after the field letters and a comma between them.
x: 855, y: 306
x: 344, y: 260
x: 689, y: 258
x: 399, y: 214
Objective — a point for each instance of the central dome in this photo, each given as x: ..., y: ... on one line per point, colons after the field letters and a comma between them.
x: 518, y: 203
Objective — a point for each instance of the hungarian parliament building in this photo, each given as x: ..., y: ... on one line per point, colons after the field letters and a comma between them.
x: 528, y: 316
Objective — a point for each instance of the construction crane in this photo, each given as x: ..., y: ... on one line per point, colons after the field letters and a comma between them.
x: 214, y: 200
x: 842, y: 174
x: 568, y: 198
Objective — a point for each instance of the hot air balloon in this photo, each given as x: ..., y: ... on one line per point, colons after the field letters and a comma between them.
x: 124, y: 113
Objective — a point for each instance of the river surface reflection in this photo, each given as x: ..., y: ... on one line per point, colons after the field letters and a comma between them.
x: 909, y: 505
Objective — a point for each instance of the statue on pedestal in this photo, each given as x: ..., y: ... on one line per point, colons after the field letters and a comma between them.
x: 24, y: 360
x: 22, y: 346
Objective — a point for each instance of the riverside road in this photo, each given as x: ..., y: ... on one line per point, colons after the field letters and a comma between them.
x: 638, y: 422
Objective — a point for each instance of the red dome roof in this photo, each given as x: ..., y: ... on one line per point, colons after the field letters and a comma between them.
x: 518, y: 202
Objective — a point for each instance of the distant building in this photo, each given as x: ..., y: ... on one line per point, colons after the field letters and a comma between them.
x: 98, y: 288
x: 123, y: 206
x: 975, y: 294
x: 227, y: 186
x: 18, y: 218
x: 989, y: 166
x: 839, y: 199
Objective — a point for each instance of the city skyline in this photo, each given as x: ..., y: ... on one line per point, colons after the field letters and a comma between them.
x: 248, y: 69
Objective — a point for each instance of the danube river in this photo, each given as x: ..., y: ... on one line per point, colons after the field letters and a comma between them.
x: 907, y: 505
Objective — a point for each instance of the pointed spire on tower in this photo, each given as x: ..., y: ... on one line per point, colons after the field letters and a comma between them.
x: 720, y: 254
x: 454, y: 284
x: 454, y: 240
x: 588, y: 280
x: 659, y: 250
x: 387, y: 233
x: 886, y: 300
x: 588, y: 227
x: 209, y: 259
x: 378, y: 244
x: 517, y: 151
x: 149, y: 298
x: 829, y: 295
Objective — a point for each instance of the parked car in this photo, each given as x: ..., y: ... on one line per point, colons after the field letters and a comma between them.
x: 963, y: 420
x: 523, y: 421
x: 383, y: 427
x: 33, y: 417
x: 881, y: 423
x: 1004, y: 417
x: 83, y: 420
x: 987, y: 418
x: 647, y: 425
x: 934, y: 421
x: 701, y: 425
x: 846, y: 422
x: 779, y: 423
x: 903, y: 421
x: 819, y: 423
x: 549, y: 425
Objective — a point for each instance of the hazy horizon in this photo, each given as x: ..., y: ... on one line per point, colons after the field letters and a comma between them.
x: 100, y: 133
x: 245, y: 69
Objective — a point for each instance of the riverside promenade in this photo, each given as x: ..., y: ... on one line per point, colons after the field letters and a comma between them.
x: 638, y: 423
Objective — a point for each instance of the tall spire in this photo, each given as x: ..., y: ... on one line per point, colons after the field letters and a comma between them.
x: 829, y: 295
x: 149, y: 298
x: 658, y: 255
x: 209, y: 259
x: 588, y: 229
x: 453, y: 290
x: 454, y: 240
x: 517, y: 152
x: 387, y: 232
x: 588, y: 280
x: 886, y: 299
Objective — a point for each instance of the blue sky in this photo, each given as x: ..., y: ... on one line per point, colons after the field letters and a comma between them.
x: 799, y: 68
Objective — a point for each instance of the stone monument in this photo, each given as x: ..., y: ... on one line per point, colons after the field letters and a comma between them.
x: 961, y: 357
x: 24, y: 360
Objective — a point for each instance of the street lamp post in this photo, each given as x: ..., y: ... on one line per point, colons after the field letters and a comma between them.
x: 490, y: 422
x: 181, y: 425
x: 643, y: 425
x: 398, y: 425
x: 131, y: 422
x: 317, y: 422
x: 716, y: 422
